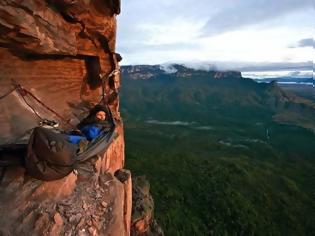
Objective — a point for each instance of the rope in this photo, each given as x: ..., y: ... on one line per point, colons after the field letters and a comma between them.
x: 102, y: 76
x: 23, y: 92
x: 113, y: 73
x: 29, y: 105
x: 18, y: 87
x: 51, y: 110
x: 7, y: 93
x: 44, y: 105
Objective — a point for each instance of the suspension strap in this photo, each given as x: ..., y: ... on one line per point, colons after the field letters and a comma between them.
x: 7, y: 93
x: 105, y: 78
x: 29, y: 105
x: 23, y: 92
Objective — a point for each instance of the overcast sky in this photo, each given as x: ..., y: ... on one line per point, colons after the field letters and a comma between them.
x: 254, y: 31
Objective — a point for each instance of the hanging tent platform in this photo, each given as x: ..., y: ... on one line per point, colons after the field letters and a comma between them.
x: 51, y: 129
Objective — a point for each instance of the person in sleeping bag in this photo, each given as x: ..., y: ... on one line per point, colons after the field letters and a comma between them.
x: 91, y: 126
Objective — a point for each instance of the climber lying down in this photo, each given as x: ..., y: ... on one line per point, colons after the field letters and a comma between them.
x: 52, y: 155
x: 91, y: 126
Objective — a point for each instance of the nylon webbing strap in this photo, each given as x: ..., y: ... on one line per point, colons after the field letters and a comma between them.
x: 7, y: 93
x: 23, y: 92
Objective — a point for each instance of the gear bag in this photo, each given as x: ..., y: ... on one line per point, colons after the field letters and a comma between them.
x: 49, y: 155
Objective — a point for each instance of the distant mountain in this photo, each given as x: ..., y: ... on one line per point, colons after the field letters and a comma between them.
x: 176, y: 70
x: 226, y: 156
x: 154, y: 92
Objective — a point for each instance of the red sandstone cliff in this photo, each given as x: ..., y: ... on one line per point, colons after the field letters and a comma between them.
x: 57, y: 49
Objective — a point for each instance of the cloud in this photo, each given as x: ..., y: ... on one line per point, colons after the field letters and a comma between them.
x: 150, y: 32
x: 299, y: 76
x: 250, y: 66
x: 267, y: 66
x: 168, y: 68
x: 141, y: 46
x: 247, y: 13
x: 303, y: 69
x: 308, y: 42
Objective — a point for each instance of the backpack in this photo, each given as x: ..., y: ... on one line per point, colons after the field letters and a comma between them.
x: 49, y: 155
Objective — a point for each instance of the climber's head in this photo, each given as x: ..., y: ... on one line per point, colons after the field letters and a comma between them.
x: 101, y: 115
x: 97, y: 114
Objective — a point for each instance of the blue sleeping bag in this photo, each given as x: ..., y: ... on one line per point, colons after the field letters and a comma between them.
x: 90, y: 132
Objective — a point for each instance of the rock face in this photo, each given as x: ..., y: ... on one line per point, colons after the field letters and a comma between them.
x: 86, y: 203
x: 61, y: 27
x: 57, y: 49
x: 142, y: 221
x: 62, y: 51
